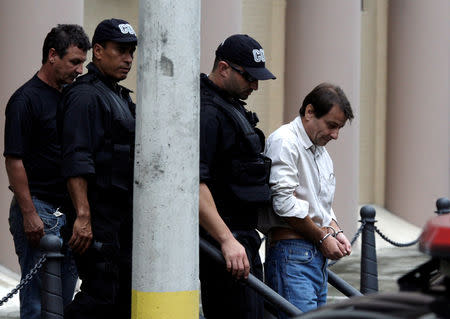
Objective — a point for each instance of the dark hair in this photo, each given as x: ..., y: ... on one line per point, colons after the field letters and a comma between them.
x: 62, y: 37
x: 323, y: 97
x: 216, y: 63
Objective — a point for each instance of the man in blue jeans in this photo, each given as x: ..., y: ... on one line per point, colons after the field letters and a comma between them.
x: 33, y: 160
x: 302, y: 229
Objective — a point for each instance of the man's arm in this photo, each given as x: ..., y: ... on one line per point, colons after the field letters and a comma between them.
x: 233, y: 252
x: 82, y: 231
x: 32, y: 223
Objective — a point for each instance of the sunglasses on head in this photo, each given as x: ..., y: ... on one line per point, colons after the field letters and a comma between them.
x: 244, y: 74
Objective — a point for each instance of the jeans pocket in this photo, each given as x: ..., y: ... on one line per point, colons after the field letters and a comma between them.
x: 51, y: 223
x: 301, y: 255
x: 46, y: 211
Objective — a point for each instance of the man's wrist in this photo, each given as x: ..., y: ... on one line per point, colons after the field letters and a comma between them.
x: 28, y: 211
x: 325, y: 237
x: 83, y: 214
x: 340, y: 231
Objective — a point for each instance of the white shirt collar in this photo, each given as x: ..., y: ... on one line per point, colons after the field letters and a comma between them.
x: 304, y: 138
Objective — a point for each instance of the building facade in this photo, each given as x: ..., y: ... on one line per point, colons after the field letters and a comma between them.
x: 392, y: 58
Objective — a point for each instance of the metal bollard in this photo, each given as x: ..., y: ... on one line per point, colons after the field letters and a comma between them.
x: 51, y: 298
x: 443, y: 206
x: 369, y: 271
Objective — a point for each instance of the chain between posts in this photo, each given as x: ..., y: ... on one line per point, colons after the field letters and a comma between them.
x: 394, y: 243
x: 383, y: 236
x: 26, y: 280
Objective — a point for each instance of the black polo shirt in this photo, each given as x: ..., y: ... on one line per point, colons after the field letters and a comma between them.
x: 31, y: 135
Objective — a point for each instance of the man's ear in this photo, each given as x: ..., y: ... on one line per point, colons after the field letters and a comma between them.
x: 52, y: 55
x: 223, y: 68
x: 97, y: 51
x: 309, y: 112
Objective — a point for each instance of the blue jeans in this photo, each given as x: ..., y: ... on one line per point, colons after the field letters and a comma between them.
x: 30, y: 295
x: 297, y: 270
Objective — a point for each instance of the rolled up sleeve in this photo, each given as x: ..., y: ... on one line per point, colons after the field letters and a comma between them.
x: 284, y: 178
x: 77, y: 136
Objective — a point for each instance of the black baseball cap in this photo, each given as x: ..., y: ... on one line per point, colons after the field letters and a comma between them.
x: 245, y: 51
x: 116, y: 30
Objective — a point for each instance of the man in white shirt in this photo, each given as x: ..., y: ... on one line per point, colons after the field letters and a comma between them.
x: 302, y: 229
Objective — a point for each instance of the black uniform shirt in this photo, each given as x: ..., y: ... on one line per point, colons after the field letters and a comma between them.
x: 83, y: 130
x: 219, y: 141
x: 31, y: 135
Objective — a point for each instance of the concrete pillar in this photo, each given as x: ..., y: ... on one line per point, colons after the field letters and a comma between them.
x: 418, y: 117
x: 219, y: 20
x: 323, y: 44
x: 165, y: 229
x: 24, y: 25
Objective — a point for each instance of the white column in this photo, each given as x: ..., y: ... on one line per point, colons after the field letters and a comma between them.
x: 24, y: 25
x: 323, y: 45
x: 418, y: 113
x: 165, y: 228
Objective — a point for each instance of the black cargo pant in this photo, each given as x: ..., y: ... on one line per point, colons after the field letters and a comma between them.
x: 105, y: 269
x: 222, y: 295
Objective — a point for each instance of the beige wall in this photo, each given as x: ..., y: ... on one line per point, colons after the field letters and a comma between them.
x: 323, y: 45
x: 418, y: 168
x: 97, y: 10
x: 264, y: 21
x: 219, y: 20
x: 25, y: 23
x: 372, y: 147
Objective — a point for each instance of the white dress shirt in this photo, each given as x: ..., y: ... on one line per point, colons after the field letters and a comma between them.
x: 302, y: 179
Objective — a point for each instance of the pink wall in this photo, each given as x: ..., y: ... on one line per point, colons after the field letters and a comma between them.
x: 418, y: 109
x: 24, y: 25
x: 220, y: 19
x: 323, y: 45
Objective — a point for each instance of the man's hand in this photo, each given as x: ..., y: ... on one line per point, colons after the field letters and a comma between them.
x: 33, y: 227
x: 331, y: 248
x: 18, y: 180
x: 82, y: 230
x: 345, y: 244
x: 82, y: 234
x: 233, y: 252
x: 235, y: 258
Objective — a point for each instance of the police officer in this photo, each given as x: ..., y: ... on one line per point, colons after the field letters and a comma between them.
x: 98, y: 123
x: 233, y: 178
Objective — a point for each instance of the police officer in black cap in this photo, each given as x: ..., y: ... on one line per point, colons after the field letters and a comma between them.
x: 233, y: 178
x: 97, y: 118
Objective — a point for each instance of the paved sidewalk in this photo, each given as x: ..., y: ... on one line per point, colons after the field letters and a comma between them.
x: 8, y: 281
x: 392, y: 264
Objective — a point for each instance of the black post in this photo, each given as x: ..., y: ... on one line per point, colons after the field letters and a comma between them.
x: 369, y: 272
x: 443, y: 206
x: 51, y: 298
